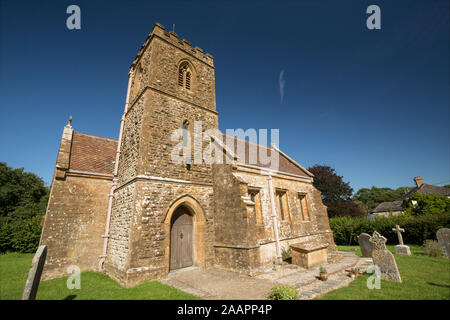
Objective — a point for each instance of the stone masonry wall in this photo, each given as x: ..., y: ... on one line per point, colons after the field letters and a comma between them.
x: 74, y: 224
x: 142, y: 238
x: 295, y: 229
x: 120, y: 227
x: 236, y: 246
x: 131, y: 137
x: 162, y: 116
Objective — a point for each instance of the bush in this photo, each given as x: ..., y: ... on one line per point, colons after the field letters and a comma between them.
x: 20, y: 235
x: 432, y: 248
x: 286, y: 254
x: 281, y: 292
x: 426, y: 204
x: 417, y: 229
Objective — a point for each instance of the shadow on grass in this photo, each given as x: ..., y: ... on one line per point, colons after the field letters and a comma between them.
x: 70, y: 297
x: 438, y: 285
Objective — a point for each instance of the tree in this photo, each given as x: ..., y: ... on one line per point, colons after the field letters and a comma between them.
x: 420, y: 204
x: 336, y: 194
x: 23, y: 201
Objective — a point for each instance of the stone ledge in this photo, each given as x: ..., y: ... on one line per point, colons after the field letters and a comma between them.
x: 308, y: 247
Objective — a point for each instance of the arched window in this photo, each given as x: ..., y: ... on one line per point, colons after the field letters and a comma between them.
x: 185, y: 76
x: 186, y: 142
x: 185, y: 133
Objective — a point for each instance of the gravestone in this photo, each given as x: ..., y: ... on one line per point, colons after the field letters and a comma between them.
x: 34, y: 275
x: 384, y: 259
x: 365, y: 245
x: 443, y: 236
x: 401, y: 248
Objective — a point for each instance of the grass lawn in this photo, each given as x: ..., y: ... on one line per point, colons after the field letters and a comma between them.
x: 423, y: 278
x: 14, y: 269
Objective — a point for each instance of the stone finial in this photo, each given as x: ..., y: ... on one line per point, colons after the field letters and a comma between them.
x: 69, y: 124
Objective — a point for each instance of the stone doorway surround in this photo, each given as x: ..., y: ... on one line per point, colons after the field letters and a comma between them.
x: 199, y: 227
x: 226, y: 285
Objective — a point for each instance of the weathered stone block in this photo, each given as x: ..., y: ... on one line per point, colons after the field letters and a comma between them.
x: 308, y: 255
x: 402, y: 249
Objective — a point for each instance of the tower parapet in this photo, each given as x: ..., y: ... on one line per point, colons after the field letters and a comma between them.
x: 171, y: 37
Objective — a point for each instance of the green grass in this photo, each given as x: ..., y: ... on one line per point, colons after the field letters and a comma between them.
x: 14, y: 269
x: 423, y: 278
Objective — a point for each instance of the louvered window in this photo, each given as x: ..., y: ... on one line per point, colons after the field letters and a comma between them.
x: 188, y: 80
x: 185, y: 76
x: 180, y: 77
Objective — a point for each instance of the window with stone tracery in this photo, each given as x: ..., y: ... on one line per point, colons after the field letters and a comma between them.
x: 185, y: 76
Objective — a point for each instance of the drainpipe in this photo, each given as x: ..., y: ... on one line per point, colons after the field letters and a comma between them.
x: 115, y: 179
x: 274, y: 218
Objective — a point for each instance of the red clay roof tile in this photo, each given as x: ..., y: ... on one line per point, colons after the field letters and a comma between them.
x: 92, y: 153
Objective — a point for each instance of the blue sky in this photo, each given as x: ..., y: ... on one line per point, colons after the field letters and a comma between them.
x: 373, y: 104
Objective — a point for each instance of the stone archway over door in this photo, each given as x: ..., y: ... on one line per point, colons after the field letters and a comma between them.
x: 181, y: 239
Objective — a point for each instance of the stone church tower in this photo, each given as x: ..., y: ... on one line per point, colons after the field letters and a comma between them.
x: 127, y: 208
x: 172, y: 86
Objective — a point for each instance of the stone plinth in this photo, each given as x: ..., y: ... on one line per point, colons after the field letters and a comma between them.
x: 308, y: 255
x: 402, y: 249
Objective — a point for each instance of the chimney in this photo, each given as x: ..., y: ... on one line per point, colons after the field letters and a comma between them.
x: 419, y: 181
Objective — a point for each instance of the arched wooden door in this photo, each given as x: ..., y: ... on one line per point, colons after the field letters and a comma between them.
x: 181, y: 237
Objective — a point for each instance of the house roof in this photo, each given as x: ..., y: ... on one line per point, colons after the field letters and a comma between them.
x: 427, y: 189
x: 389, y: 206
x: 93, y: 154
x: 423, y: 189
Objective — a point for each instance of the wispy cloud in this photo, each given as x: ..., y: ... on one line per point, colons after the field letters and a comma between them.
x: 282, y: 83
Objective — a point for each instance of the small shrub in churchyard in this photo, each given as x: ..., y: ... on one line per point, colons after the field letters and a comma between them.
x: 281, y: 292
x: 286, y: 254
x: 432, y: 248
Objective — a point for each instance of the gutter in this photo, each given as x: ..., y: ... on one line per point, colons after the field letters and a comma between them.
x: 274, y: 218
x: 115, y: 179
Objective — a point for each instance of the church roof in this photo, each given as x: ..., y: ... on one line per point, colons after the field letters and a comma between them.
x: 93, y: 154
x: 285, y: 165
x: 96, y: 154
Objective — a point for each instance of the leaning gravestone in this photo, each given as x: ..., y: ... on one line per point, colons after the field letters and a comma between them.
x: 34, y: 275
x: 384, y: 259
x: 365, y: 245
x: 443, y: 236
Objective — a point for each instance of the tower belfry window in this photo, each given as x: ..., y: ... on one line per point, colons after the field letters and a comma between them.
x: 185, y: 76
x: 188, y: 80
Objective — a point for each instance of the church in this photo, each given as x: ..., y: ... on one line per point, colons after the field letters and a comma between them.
x: 126, y: 208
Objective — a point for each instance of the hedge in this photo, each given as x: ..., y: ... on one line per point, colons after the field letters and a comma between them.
x: 417, y: 229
